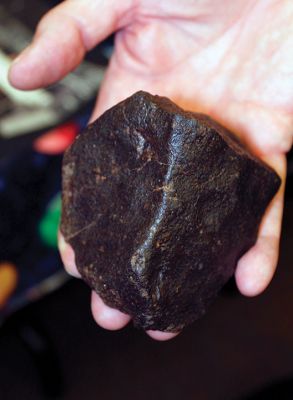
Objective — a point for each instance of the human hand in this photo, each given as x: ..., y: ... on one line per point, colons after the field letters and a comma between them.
x: 230, y: 60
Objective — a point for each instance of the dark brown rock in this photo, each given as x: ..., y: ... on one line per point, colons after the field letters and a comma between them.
x: 158, y: 205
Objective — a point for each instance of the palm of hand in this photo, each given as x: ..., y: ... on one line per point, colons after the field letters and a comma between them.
x: 238, y: 70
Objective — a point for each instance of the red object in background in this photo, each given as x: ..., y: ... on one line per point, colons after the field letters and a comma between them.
x: 56, y: 140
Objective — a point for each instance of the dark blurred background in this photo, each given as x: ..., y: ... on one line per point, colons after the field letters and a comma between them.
x: 50, y: 347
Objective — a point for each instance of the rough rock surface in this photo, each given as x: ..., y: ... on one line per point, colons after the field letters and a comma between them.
x: 158, y: 205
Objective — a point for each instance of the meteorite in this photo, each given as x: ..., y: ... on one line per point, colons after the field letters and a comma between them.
x: 158, y: 205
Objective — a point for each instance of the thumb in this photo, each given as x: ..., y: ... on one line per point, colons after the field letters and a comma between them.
x: 62, y: 38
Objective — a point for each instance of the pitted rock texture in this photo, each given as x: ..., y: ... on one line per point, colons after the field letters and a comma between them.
x: 158, y: 205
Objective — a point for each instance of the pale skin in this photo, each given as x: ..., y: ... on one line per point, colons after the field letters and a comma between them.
x: 232, y: 60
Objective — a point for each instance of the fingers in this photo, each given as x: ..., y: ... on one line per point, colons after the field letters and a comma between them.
x: 62, y: 38
x: 112, y: 319
x: 256, y: 268
x: 107, y: 317
x: 162, y: 336
x: 67, y: 256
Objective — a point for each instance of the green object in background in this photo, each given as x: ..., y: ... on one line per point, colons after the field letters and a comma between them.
x: 48, y: 226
